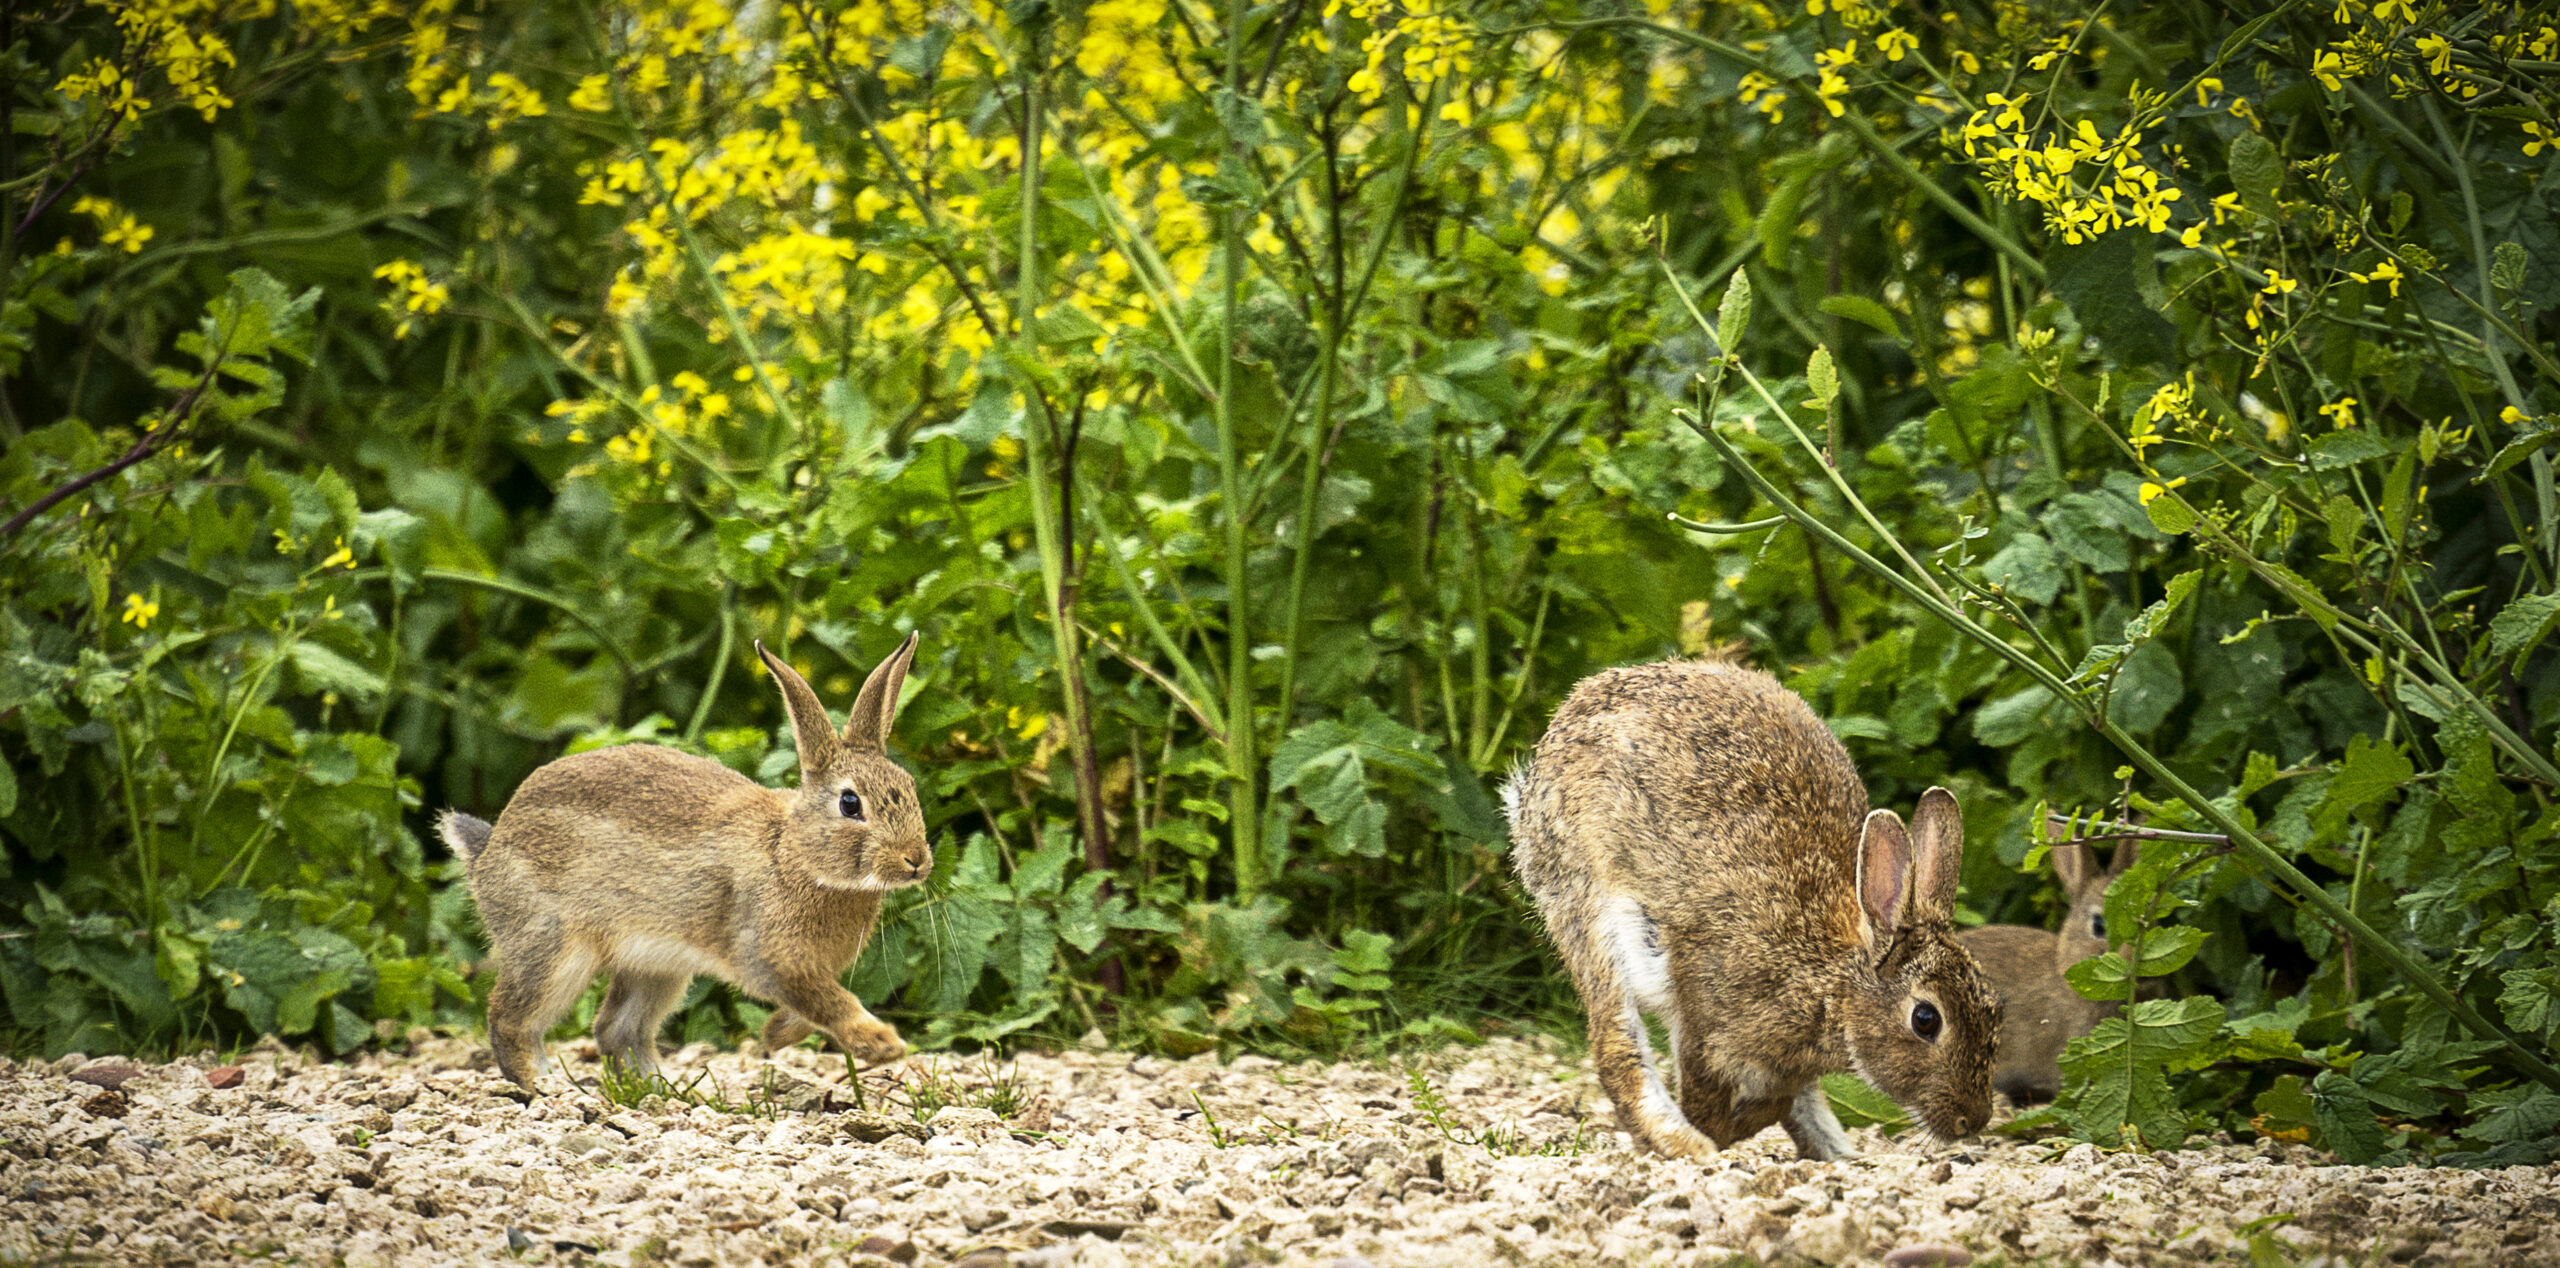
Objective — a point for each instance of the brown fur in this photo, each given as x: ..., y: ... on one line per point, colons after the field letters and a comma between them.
x: 2039, y: 1009
x: 1694, y: 820
x: 655, y: 865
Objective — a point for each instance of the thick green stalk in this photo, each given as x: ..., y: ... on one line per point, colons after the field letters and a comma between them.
x: 1046, y: 531
x: 1244, y: 811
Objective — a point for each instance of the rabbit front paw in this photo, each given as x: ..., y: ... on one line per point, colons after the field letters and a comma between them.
x: 874, y: 1041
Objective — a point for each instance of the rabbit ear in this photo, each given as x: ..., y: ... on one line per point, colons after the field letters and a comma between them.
x: 2075, y: 864
x: 877, y: 706
x: 2128, y: 853
x: 1884, y: 870
x: 1937, y: 857
x: 809, y: 726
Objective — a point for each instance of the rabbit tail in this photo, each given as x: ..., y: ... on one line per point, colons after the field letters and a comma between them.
x: 464, y: 834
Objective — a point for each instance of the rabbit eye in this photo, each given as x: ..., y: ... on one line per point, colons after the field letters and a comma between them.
x: 1924, y: 1020
x: 2097, y: 926
x: 851, y: 805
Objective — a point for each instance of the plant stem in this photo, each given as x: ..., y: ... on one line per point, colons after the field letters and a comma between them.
x: 1046, y: 528
x: 1244, y: 812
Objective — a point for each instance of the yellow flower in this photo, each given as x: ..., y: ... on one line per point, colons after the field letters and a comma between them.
x: 129, y: 234
x: 2540, y: 137
x: 1896, y: 42
x: 593, y: 94
x: 138, y: 611
x: 2387, y: 271
x: 2278, y: 284
x: 343, y: 557
x: 2342, y: 413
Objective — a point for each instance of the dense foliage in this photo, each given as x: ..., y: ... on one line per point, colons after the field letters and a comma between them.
x: 396, y: 396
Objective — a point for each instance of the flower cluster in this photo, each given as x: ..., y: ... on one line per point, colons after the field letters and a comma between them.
x: 2088, y: 182
x: 116, y: 228
x: 413, y: 295
x: 1436, y: 45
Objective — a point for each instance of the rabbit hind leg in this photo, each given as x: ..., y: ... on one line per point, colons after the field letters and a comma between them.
x: 1617, y: 980
x: 540, y: 976
x: 634, y: 1007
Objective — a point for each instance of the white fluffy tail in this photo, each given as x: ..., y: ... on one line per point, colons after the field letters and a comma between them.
x: 463, y: 834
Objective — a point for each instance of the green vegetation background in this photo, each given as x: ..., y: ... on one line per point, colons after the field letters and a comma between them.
x: 396, y: 397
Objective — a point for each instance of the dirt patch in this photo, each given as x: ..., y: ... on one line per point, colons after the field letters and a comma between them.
x: 1108, y: 1159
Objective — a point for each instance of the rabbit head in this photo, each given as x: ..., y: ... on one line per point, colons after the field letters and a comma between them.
x: 856, y: 823
x: 2084, y: 931
x: 1923, y: 1025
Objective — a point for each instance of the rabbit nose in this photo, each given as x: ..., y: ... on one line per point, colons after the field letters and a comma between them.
x: 918, y: 863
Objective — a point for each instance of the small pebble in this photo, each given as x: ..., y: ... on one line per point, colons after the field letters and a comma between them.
x: 111, y: 1077
x: 1928, y: 1255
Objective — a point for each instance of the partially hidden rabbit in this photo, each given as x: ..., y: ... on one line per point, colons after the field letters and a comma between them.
x: 655, y: 865
x: 2039, y: 1010
x: 1701, y: 850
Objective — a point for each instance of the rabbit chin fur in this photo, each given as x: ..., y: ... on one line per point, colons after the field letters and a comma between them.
x: 1700, y: 847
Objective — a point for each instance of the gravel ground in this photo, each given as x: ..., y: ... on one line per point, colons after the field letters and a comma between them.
x: 1109, y: 1160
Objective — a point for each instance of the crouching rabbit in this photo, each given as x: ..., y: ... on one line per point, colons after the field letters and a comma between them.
x: 655, y: 865
x: 2039, y: 1010
x: 1702, y: 851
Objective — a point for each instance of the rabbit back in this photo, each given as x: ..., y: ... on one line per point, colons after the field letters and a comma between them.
x: 1701, y: 790
x: 641, y: 853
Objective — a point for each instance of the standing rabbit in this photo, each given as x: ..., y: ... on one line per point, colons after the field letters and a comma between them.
x: 2040, y: 1012
x: 656, y: 865
x: 1701, y: 850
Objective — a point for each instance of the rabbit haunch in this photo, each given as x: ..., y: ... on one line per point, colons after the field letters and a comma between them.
x: 1702, y: 850
x: 655, y: 866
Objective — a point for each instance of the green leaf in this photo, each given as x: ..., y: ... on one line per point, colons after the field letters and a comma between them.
x: 2257, y: 172
x: 1362, y: 962
x: 2521, y: 626
x: 2519, y: 449
x: 2345, y: 1118
x: 1822, y: 378
x: 2370, y: 773
x: 2170, y: 513
x: 2119, y: 1073
x: 326, y: 670
x: 1865, y: 311
x: 2011, y: 718
x: 2285, y: 1106
x: 2345, y: 448
x: 2027, y: 568
x: 2506, y: 267
x: 1329, y: 765
x: 2082, y: 528
x: 2103, y: 281
x: 2531, y: 1000
x: 2146, y: 688
x: 2154, y: 619
x: 2101, y: 977
x: 1858, y: 1104
x: 1733, y: 313
x: 2167, y: 950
